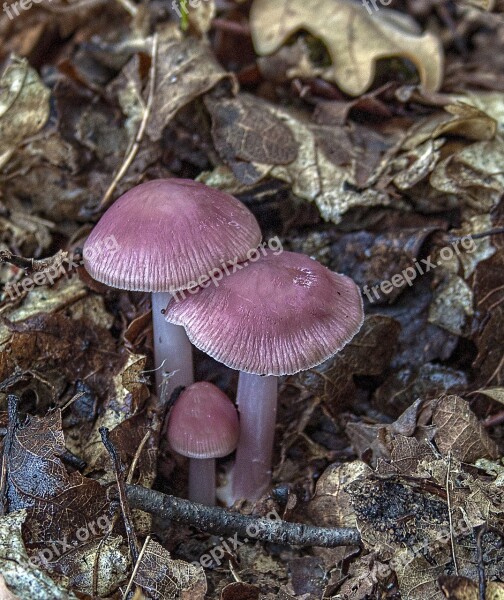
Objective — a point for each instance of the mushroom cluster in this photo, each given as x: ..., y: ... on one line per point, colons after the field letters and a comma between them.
x: 278, y: 314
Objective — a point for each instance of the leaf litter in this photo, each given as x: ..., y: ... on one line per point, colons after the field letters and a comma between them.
x: 368, y: 139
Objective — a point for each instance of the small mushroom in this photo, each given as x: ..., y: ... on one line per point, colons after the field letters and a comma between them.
x: 282, y: 314
x: 169, y: 234
x: 203, y: 425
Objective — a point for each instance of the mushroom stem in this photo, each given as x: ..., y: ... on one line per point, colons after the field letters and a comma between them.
x: 202, y: 481
x: 257, y: 405
x: 172, y: 350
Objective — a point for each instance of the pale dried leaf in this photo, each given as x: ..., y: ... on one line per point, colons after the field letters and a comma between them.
x: 469, y: 122
x: 23, y: 579
x: 452, y: 305
x: 186, y: 69
x: 5, y: 593
x: 354, y: 38
x: 461, y: 588
x: 24, y: 106
x: 483, y: 4
x: 496, y: 393
x: 163, y: 578
x: 460, y: 432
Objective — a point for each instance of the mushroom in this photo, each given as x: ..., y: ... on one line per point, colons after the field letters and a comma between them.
x: 203, y: 425
x: 281, y: 314
x: 171, y: 235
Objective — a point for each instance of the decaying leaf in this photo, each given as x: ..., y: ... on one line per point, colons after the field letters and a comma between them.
x: 462, y: 588
x: 354, y: 38
x: 24, y: 106
x: 496, y: 394
x: 5, y: 593
x: 163, y: 578
x: 245, y: 132
x: 240, y: 591
x: 458, y: 431
x: 62, y: 508
x: 295, y: 153
x: 24, y: 579
x: 186, y: 70
x: 484, y: 4
x: 452, y: 305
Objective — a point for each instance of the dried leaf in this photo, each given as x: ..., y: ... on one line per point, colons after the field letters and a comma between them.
x: 24, y: 106
x: 496, y: 393
x: 354, y: 38
x: 60, y: 506
x: 240, y: 591
x: 5, y: 593
x: 483, y: 4
x: 22, y: 577
x: 452, y: 305
x: 460, y: 432
x: 186, y: 70
x: 469, y: 122
x: 163, y: 578
x: 461, y: 588
x: 245, y: 131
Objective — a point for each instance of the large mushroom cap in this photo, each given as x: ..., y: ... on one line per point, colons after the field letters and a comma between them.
x: 166, y: 234
x: 203, y: 422
x: 282, y: 314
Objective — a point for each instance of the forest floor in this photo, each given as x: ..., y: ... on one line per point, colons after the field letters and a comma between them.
x: 369, y: 137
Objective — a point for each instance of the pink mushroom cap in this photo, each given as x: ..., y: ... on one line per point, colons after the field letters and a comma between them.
x: 203, y: 422
x: 167, y: 233
x: 282, y: 314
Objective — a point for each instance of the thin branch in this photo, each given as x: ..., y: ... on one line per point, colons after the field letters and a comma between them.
x: 134, y: 462
x: 12, y: 406
x: 141, y: 130
x: 221, y: 522
x: 137, y: 564
x: 481, y: 565
x: 450, y: 520
x: 129, y: 7
x: 125, y: 509
x: 32, y: 265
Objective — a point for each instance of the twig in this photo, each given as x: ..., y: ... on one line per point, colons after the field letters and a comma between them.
x: 129, y: 7
x: 448, y: 500
x: 74, y: 461
x: 133, y: 465
x: 32, y: 265
x: 221, y: 522
x: 68, y: 8
x: 141, y: 130
x: 125, y: 509
x: 481, y: 567
x: 12, y: 406
x: 137, y: 564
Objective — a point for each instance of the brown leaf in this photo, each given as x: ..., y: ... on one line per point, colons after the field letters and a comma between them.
x: 240, y: 591
x: 245, y: 132
x: 186, y: 70
x: 461, y: 588
x: 458, y: 431
x: 354, y: 38
x: 496, y: 393
x: 68, y: 515
x: 163, y: 578
x: 24, y: 106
